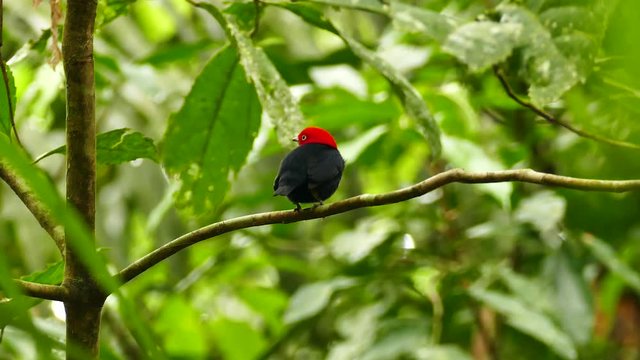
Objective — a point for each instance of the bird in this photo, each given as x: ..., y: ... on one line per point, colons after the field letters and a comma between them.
x: 311, y: 172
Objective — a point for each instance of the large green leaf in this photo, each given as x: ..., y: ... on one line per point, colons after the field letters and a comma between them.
x: 117, y: 146
x: 7, y: 102
x: 211, y: 135
x: 273, y: 92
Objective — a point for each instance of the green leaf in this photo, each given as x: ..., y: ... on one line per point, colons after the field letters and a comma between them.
x: 484, y: 43
x: 607, y: 255
x: 310, y: 15
x: 52, y: 275
x: 122, y: 145
x: 116, y: 147
x: 273, y: 92
x: 377, y: 6
x: 523, y: 318
x: 211, y: 135
x: 237, y: 340
x: 417, y: 20
x: 549, y: 72
x: 182, y: 329
x: 411, y: 98
x: 312, y: 298
x: 7, y: 102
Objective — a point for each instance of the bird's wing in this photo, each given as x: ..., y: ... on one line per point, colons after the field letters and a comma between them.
x: 292, y: 174
x: 325, y: 166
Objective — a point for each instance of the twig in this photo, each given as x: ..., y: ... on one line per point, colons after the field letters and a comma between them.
x: 43, y: 291
x: 551, y: 119
x: 368, y: 200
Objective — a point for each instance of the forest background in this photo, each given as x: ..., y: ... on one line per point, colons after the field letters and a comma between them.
x: 194, y: 107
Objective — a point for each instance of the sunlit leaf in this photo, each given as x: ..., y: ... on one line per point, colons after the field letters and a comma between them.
x: 211, y: 135
x: 182, y: 330
x: 483, y: 44
x: 414, y: 19
x: 237, y: 340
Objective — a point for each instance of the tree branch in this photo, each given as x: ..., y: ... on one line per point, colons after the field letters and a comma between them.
x: 368, y: 200
x: 552, y: 120
x: 39, y: 212
x: 43, y: 291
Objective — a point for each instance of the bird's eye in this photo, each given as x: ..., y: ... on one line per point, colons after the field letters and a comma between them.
x: 303, y: 137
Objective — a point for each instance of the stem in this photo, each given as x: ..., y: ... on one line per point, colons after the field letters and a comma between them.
x: 85, y: 304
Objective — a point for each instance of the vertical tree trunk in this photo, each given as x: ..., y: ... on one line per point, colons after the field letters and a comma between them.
x: 83, y: 312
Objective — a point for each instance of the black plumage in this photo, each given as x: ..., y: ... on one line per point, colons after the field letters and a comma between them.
x: 310, y: 173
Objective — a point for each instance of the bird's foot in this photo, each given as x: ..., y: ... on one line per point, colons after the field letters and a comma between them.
x: 298, y: 208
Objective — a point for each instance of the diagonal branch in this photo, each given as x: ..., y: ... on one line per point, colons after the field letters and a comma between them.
x: 36, y: 208
x: 43, y: 291
x: 552, y: 120
x: 368, y: 200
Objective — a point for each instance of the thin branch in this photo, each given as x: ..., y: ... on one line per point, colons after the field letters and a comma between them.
x: 552, y: 120
x: 367, y: 200
x: 36, y: 208
x: 43, y: 291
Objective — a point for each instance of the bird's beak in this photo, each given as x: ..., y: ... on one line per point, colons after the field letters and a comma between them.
x: 294, y: 139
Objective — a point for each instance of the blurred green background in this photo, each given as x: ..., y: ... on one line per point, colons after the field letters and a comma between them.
x: 500, y: 271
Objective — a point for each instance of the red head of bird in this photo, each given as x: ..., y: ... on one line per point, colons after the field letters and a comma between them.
x: 316, y: 135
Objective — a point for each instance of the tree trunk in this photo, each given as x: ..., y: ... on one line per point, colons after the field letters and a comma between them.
x: 83, y: 311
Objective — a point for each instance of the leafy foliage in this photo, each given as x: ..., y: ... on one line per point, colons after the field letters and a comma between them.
x: 407, y: 88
